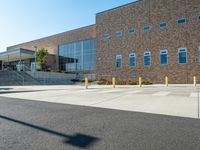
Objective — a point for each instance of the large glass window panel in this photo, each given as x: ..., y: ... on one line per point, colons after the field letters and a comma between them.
x: 78, y: 56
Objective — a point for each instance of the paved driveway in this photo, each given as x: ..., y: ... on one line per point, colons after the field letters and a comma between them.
x: 34, y: 125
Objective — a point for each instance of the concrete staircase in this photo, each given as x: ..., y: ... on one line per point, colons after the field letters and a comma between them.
x: 14, y: 78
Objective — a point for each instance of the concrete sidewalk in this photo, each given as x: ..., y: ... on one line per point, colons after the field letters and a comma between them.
x: 175, y: 100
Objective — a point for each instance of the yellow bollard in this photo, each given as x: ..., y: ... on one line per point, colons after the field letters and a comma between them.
x: 140, y: 81
x: 86, y: 83
x: 113, y: 82
x: 166, y: 81
x: 195, y: 81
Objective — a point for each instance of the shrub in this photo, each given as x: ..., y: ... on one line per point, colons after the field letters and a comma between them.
x: 131, y: 82
x: 38, y: 69
x: 146, y: 83
x: 100, y: 82
x: 122, y: 82
x: 104, y: 82
x: 75, y: 80
x: 89, y: 80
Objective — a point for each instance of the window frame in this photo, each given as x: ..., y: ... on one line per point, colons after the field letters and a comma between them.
x: 198, y: 18
x: 131, y: 55
x: 149, y: 52
x: 182, y: 22
x: 130, y: 31
x: 119, y: 56
x: 167, y: 53
x: 179, y: 49
x: 149, y: 28
x: 118, y: 34
x: 166, y: 25
x: 106, y: 36
x: 199, y: 54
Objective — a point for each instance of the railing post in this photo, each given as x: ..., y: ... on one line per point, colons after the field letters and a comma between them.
x: 195, y: 81
x: 86, y: 83
x: 113, y: 82
x: 23, y: 81
x: 140, y: 81
x: 166, y: 81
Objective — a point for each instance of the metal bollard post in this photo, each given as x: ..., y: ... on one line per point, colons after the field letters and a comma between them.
x: 166, y: 81
x: 140, y: 81
x: 113, y: 82
x: 86, y: 83
x: 195, y: 81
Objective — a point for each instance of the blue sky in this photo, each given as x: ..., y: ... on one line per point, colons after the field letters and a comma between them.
x: 25, y: 20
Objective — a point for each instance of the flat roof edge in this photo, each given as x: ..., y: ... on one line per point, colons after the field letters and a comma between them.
x: 73, y: 30
x: 131, y: 3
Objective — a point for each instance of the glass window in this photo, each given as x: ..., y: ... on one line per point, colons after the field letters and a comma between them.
x: 118, y: 34
x: 132, y: 60
x: 181, y: 21
x: 118, y: 61
x: 147, y: 28
x: 147, y: 58
x: 132, y: 30
x: 199, y: 53
x: 163, y: 25
x: 77, y: 56
x: 182, y: 55
x: 106, y: 36
x: 164, y: 57
x: 198, y: 18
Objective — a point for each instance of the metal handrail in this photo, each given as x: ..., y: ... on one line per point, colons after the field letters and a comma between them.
x: 19, y: 75
x: 26, y: 67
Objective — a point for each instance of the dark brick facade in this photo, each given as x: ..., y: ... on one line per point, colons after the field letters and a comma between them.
x: 150, y: 12
x: 52, y: 42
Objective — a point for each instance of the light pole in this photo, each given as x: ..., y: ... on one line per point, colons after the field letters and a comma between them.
x: 35, y: 56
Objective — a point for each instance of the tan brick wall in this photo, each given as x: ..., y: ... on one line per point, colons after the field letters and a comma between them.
x: 52, y: 42
x: 150, y: 12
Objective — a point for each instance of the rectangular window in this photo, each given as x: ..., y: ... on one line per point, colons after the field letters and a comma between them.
x: 181, y: 21
x: 118, y: 34
x: 198, y: 18
x: 132, y: 60
x: 147, y: 28
x: 106, y: 36
x: 182, y: 55
x: 147, y: 58
x: 163, y: 25
x: 164, y: 57
x: 132, y: 30
x: 199, y: 53
x: 118, y: 61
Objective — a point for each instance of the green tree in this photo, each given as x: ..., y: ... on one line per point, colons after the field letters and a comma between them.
x: 41, y: 57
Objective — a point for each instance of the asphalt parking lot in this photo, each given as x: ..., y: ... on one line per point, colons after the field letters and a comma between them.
x: 40, y: 125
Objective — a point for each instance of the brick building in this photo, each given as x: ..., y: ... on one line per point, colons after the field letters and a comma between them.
x: 147, y: 38
x: 140, y: 34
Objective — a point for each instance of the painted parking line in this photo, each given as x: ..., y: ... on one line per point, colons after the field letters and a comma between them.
x: 162, y: 93
x: 111, y: 91
x: 134, y: 92
x: 194, y: 95
x: 88, y: 91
